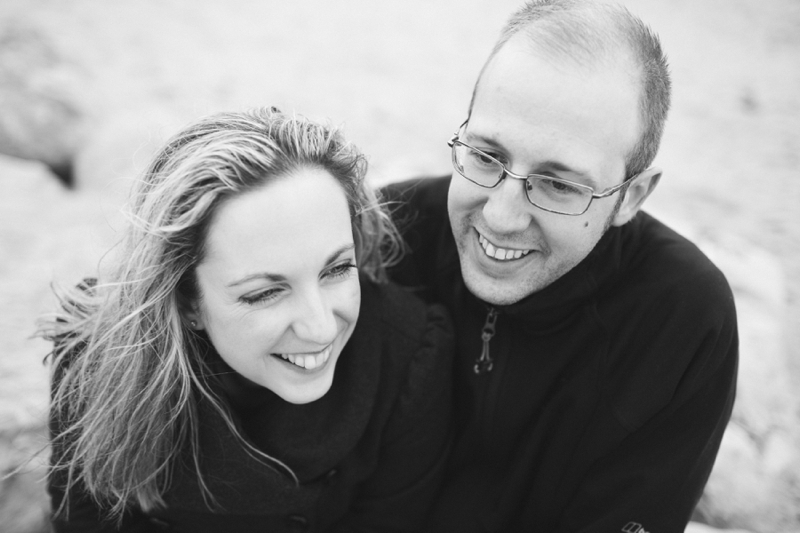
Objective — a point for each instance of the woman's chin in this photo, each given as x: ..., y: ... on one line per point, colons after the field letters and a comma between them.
x: 300, y: 385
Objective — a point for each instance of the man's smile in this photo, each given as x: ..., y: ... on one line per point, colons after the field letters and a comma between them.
x: 498, y: 253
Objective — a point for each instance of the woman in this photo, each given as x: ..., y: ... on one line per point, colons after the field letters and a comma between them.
x: 245, y: 367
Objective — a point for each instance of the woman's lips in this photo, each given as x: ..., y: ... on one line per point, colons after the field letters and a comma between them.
x: 309, y: 361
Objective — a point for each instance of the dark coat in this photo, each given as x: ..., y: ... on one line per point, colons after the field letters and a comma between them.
x: 609, y: 392
x: 369, y: 454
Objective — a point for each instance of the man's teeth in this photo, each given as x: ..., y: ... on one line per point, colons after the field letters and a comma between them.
x: 308, y: 361
x: 503, y: 254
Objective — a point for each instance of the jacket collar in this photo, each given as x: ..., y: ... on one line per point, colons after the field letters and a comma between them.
x: 553, y: 306
x: 310, y: 439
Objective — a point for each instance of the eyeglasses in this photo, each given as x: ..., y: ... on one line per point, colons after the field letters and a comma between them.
x: 555, y: 195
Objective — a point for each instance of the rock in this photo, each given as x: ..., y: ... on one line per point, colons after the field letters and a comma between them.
x: 118, y: 149
x: 40, y: 114
x: 780, y: 453
x: 24, y: 504
x: 47, y: 233
x: 755, y: 483
x: 696, y: 527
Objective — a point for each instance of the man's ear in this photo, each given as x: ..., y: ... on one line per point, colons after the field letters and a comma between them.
x: 640, y: 188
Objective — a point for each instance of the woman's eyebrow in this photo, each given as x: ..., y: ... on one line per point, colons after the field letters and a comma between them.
x: 258, y: 275
x: 277, y: 277
x: 339, y: 251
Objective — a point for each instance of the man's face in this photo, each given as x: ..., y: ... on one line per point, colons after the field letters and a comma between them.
x: 547, y: 117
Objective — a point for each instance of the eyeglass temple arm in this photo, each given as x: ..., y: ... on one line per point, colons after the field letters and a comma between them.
x: 615, y: 188
x: 454, y: 138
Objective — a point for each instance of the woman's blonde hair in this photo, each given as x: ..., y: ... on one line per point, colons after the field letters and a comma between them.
x: 128, y: 373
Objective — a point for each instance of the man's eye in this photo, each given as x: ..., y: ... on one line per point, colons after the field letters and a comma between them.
x: 485, y: 159
x: 482, y: 159
x: 560, y: 187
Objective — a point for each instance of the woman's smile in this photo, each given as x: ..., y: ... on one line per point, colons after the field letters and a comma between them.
x: 307, y: 361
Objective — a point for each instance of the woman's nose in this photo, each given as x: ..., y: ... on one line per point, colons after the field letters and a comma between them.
x: 315, y: 321
x: 507, y: 210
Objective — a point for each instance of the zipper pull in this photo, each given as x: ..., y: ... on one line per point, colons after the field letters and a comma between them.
x: 484, y: 364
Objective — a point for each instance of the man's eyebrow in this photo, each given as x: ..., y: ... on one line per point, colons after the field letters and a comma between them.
x: 490, y: 140
x: 548, y: 164
x: 266, y: 276
x: 557, y: 165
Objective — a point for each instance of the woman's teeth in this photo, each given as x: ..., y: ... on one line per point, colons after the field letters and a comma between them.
x: 502, y: 254
x: 307, y: 361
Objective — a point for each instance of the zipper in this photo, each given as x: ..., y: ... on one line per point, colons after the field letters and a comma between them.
x: 484, y: 363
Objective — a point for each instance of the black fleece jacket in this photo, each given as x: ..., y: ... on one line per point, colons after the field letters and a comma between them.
x: 609, y: 390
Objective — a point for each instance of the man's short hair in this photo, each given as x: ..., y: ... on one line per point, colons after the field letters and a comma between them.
x: 587, y: 31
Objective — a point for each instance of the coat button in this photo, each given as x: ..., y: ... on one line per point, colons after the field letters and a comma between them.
x: 161, y: 524
x: 331, y: 475
x: 298, y: 522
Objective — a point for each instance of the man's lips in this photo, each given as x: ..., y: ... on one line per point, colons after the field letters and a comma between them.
x: 501, y: 254
x: 309, y: 361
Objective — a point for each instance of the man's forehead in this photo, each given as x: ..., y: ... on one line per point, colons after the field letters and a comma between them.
x: 580, y: 56
x: 575, y: 119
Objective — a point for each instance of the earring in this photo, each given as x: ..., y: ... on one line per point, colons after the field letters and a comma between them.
x: 193, y: 323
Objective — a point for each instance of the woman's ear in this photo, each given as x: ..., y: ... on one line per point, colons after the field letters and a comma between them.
x: 640, y: 188
x: 193, y: 320
x: 190, y: 312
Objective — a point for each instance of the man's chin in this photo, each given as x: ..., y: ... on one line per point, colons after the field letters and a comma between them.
x: 492, y: 290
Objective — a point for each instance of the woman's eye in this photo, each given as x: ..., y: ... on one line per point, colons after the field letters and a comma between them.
x: 260, y: 296
x: 341, y: 270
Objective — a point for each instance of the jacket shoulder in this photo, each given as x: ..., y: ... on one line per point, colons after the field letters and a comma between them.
x: 419, y: 210
x: 427, y: 194
x: 670, y: 273
x: 417, y: 205
x: 416, y: 349
x: 405, y: 319
x: 672, y: 324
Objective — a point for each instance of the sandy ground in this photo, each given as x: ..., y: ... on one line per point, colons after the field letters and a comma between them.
x: 398, y: 76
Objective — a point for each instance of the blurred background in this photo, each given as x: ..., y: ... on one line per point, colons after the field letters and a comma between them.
x: 89, y: 88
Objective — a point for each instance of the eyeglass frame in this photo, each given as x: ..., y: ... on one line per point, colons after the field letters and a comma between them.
x: 604, y: 194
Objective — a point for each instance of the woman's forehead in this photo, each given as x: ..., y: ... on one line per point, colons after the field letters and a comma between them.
x: 299, y: 220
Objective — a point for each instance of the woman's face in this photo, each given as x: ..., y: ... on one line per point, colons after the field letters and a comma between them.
x: 279, y: 290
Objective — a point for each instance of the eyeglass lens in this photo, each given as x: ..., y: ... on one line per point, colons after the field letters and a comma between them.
x: 547, y: 193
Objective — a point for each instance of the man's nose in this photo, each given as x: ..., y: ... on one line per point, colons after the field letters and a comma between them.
x: 315, y: 320
x: 507, y: 209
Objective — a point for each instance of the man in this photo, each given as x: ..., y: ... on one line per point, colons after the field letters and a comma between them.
x: 597, y: 348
